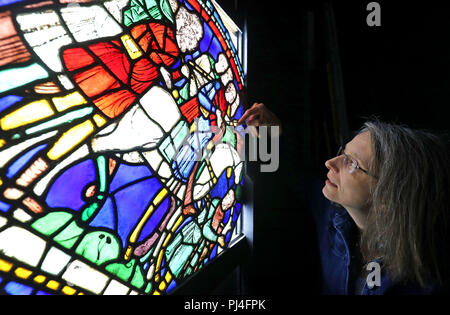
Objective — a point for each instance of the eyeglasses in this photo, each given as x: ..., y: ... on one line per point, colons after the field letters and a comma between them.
x: 350, y: 163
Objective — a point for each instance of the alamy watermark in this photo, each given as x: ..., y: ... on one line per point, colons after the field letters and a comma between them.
x: 254, y: 144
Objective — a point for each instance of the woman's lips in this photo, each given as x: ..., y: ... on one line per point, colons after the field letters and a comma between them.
x: 328, y: 182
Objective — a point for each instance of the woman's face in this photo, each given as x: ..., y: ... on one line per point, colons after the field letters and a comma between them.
x: 351, y: 190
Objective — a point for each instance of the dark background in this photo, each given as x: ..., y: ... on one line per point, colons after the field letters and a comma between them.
x: 398, y: 72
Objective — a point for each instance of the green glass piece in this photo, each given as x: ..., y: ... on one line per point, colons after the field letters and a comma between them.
x: 238, y: 192
x: 123, y: 271
x: 66, y: 118
x: 138, y: 278
x: 148, y: 288
x: 15, y: 77
x: 229, y: 137
x: 69, y: 235
x: 184, y: 92
x: 99, y: 247
x: 166, y: 10
x: 101, y: 165
x: 89, y: 211
x: 140, y: 10
x: 51, y: 222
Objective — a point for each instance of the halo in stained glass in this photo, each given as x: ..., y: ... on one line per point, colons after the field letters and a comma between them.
x: 120, y: 170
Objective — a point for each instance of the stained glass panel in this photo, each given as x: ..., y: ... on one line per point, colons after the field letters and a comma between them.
x: 120, y: 167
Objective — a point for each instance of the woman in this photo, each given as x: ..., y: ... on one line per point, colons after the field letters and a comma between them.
x: 393, y: 183
x: 387, y: 229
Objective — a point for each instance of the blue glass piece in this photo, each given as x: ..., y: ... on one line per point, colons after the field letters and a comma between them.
x: 128, y: 173
x: 226, y: 216
x: 42, y: 293
x: 186, y: 221
x: 180, y: 83
x: 213, y: 252
x: 228, y: 238
x: 66, y: 191
x: 188, y: 6
x: 207, y: 37
x: 24, y: 159
x: 196, y: 54
x: 183, y: 164
x: 204, y: 101
x: 221, y: 188
x: 132, y: 202
x: 6, y: 2
x: 172, y: 285
x: 1, y: 279
x: 155, y: 219
x: 235, y: 216
x: 16, y: 288
x: 9, y: 100
x: 238, y: 207
x: 106, y: 216
x: 4, y: 206
x: 177, y: 64
x: 215, y: 49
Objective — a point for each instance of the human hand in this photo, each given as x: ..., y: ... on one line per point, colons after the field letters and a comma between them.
x: 259, y: 115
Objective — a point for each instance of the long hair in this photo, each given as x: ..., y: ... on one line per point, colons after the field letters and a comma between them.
x: 408, y: 221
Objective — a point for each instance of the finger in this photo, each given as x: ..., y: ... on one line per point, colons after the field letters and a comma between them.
x: 248, y: 112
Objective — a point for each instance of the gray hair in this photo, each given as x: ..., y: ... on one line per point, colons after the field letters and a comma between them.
x: 407, y: 225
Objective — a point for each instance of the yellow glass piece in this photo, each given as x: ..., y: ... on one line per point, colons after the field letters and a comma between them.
x: 156, y: 293
x: 64, y: 102
x: 70, y: 139
x: 23, y: 273
x: 99, y: 120
x: 160, y: 197
x: 39, y: 278
x: 168, y: 277
x: 194, y: 127
x: 177, y: 224
x: 2, y: 142
x: 128, y: 252
x: 169, y: 236
x: 204, y: 112
x: 27, y: 114
x: 159, y: 261
x: 162, y: 285
x: 68, y: 290
x: 52, y: 284
x: 229, y: 172
x: 157, y: 278
x: 175, y: 94
x: 132, y: 48
x: 80, y: 293
x: 5, y: 266
x: 1, y: 182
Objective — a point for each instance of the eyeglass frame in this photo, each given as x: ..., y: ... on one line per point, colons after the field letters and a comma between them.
x: 353, y: 161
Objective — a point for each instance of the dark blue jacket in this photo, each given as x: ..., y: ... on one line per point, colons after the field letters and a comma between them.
x: 336, y: 234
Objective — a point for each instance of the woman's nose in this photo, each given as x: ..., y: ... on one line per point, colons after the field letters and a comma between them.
x: 333, y: 164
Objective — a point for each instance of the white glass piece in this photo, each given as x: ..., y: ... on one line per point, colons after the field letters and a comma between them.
x: 161, y: 107
x: 55, y: 261
x: 89, y: 22
x: 45, y: 35
x: 11, y: 152
x: 189, y: 30
x: 133, y: 131
x: 20, y: 244
x: 86, y: 277
x: 116, y: 288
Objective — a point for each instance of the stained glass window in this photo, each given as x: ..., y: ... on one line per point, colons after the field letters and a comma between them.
x: 121, y: 170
